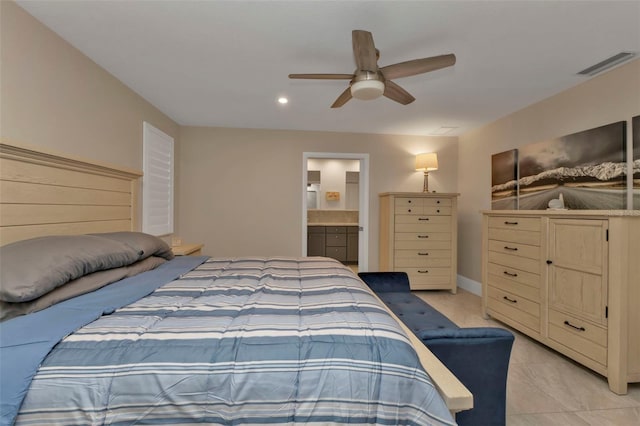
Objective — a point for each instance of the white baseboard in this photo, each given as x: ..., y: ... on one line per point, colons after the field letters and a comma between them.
x: 470, y: 285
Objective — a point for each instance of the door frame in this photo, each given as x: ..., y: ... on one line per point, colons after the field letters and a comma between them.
x: 363, y: 203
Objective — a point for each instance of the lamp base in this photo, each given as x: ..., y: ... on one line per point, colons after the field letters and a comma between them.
x: 425, y: 188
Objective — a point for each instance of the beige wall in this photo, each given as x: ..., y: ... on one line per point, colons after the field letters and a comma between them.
x: 610, y: 97
x: 240, y: 190
x: 56, y: 97
x: 53, y: 96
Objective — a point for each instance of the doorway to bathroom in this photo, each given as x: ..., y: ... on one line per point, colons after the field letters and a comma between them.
x: 338, y: 203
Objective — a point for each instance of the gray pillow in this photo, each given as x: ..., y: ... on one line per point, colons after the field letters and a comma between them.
x: 77, y: 287
x: 146, y: 244
x: 31, y: 268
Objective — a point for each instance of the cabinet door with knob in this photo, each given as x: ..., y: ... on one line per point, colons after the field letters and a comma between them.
x: 418, y: 235
x: 316, y: 241
x: 352, y: 244
x: 578, y: 286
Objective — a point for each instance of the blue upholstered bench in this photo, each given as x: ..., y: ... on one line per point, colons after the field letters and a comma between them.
x: 478, y: 357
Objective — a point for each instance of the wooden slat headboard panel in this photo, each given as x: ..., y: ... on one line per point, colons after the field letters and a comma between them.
x: 44, y: 193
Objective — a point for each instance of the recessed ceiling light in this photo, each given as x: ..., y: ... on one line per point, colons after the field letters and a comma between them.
x: 282, y: 100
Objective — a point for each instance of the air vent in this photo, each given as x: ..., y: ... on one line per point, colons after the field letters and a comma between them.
x: 608, y: 63
x: 443, y: 130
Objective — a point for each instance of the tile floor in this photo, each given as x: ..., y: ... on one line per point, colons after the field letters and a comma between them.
x: 545, y: 388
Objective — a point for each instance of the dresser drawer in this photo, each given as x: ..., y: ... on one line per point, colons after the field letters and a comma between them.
x: 338, y: 253
x: 578, y: 335
x: 422, y: 223
x: 426, y: 210
x: 336, y: 240
x: 425, y: 278
x: 518, y: 282
x: 515, y: 249
x: 418, y: 258
x: 510, y: 236
x: 422, y: 240
x: 419, y: 201
x: 516, y: 223
x: 409, y: 202
x: 515, y: 307
x: 336, y: 229
x: 516, y: 262
x: 422, y: 227
x: 444, y: 221
x: 446, y: 202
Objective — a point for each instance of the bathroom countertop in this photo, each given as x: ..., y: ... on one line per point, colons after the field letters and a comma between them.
x: 332, y: 224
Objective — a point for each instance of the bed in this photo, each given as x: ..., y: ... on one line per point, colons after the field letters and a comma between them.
x: 195, y: 339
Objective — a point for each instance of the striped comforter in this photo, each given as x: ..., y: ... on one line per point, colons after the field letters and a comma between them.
x: 240, y: 341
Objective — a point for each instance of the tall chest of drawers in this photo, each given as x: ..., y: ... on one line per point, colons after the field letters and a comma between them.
x: 418, y: 235
x: 569, y: 279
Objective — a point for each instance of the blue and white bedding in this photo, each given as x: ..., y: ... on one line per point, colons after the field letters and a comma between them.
x: 240, y: 341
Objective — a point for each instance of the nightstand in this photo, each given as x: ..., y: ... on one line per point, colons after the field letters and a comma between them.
x: 188, y: 250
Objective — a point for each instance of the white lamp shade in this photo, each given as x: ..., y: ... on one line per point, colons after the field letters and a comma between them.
x: 427, y: 162
x: 367, y: 89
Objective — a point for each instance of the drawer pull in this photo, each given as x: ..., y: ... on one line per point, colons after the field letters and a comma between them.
x: 409, y: 201
x: 438, y: 202
x: 423, y: 254
x: 409, y: 210
x: 575, y: 327
x: 438, y: 211
x: 509, y: 300
x: 424, y: 271
x: 510, y: 274
x: 511, y: 248
x: 423, y: 218
x: 423, y: 236
x: 506, y: 222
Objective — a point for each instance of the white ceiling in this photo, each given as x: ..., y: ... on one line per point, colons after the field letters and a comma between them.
x: 224, y: 63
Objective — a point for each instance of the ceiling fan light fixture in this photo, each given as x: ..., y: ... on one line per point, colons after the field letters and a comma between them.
x: 367, y: 89
x: 369, y: 81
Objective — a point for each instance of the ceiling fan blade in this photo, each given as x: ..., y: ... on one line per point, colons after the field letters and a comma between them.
x: 364, y: 51
x: 323, y: 76
x: 418, y: 66
x: 343, y: 98
x: 397, y: 93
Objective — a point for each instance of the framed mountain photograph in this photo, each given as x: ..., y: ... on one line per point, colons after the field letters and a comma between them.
x: 587, y: 168
x: 504, y: 180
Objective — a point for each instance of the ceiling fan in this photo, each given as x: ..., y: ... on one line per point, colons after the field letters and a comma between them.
x: 370, y: 81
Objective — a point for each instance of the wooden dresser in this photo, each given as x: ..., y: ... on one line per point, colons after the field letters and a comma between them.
x: 418, y: 235
x: 571, y: 280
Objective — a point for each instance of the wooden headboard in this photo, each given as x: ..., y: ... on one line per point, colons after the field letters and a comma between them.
x: 44, y: 193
